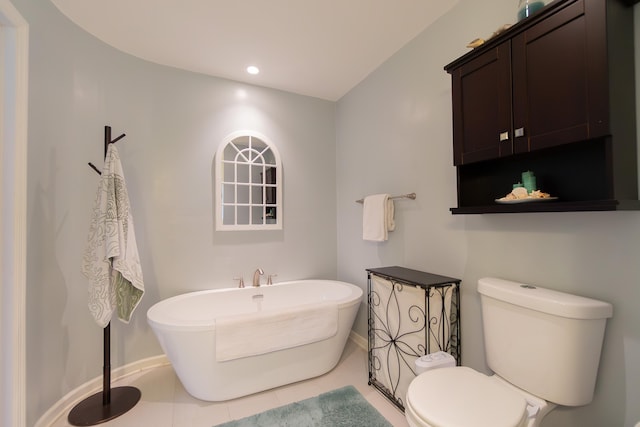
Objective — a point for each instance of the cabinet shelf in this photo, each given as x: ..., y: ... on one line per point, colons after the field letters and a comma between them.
x: 555, y: 206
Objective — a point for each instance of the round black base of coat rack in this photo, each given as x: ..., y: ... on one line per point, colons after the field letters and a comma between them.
x: 93, y: 410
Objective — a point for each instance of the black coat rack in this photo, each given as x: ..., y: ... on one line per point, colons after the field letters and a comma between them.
x: 109, y: 403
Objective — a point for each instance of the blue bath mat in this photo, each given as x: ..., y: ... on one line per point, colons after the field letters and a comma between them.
x: 344, y: 407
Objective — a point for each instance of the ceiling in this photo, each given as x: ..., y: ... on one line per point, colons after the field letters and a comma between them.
x: 319, y: 48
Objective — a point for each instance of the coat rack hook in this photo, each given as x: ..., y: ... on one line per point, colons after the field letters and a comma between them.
x: 107, y: 141
x: 95, y: 168
x: 118, y: 139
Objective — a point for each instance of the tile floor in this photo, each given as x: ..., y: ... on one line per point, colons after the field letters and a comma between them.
x: 165, y: 403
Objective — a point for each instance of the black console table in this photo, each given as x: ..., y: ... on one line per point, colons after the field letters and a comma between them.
x: 411, y: 313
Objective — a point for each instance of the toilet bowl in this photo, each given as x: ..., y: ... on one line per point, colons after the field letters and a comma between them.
x: 544, y: 349
x: 462, y: 397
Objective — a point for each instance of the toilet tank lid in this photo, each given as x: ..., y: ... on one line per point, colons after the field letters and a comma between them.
x: 544, y: 300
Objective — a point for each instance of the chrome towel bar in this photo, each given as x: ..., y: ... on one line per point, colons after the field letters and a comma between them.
x: 411, y: 196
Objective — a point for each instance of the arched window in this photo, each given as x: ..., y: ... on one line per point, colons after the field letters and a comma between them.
x: 248, y: 184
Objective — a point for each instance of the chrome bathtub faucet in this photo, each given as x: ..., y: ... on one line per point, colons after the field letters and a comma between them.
x: 256, y: 277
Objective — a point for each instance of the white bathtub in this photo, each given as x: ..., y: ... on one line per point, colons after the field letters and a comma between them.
x: 185, y: 326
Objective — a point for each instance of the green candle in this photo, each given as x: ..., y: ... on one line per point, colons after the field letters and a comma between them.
x: 529, y: 180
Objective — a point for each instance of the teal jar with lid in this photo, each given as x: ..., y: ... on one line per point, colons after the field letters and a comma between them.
x: 527, y: 8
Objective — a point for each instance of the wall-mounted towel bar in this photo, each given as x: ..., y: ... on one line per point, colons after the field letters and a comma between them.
x: 411, y: 196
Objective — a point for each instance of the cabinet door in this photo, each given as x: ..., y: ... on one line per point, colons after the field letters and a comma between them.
x: 482, y: 107
x: 559, y: 82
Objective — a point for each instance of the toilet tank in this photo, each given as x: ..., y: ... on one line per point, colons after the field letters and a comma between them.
x: 545, y: 342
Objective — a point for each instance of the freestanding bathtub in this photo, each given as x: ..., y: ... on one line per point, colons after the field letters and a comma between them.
x: 272, y: 335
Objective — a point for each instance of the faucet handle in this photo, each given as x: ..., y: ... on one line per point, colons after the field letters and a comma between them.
x: 269, y: 277
x: 241, y: 281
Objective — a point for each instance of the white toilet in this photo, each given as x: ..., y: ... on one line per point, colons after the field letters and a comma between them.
x: 544, y: 347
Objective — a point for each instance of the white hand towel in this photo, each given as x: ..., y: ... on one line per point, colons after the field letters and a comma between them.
x: 377, y: 217
x: 251, y: 334
x: 111, y: 261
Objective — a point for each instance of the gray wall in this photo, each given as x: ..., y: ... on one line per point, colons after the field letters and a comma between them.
x: 394, y: 135
x: 174, y: 121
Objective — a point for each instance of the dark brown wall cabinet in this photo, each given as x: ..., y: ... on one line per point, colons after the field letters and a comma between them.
x: 554, y: 94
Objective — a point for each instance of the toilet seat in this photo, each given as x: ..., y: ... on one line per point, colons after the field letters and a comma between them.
x: 462, y: 397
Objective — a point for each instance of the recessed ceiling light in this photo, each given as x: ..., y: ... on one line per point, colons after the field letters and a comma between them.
x: 252, y: 69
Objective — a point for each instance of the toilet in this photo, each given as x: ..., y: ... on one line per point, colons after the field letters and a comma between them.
x: 543, y: 347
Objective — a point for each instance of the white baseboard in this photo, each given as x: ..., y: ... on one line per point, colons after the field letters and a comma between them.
x: 64, y: 405
x: 359, y: 340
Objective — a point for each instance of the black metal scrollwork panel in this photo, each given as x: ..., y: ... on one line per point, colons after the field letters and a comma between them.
x: 406, y: 322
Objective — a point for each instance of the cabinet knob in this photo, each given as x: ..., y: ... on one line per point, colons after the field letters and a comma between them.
x: 519, y: 132
x: 504, y: 136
